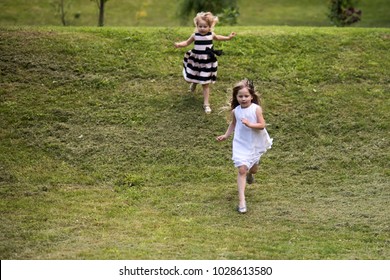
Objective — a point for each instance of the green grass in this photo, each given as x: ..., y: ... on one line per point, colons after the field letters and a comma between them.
x: 105, y: 155
x: 164, y: 13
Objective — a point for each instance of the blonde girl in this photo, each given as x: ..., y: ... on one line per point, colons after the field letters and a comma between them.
x: 200, y: 64
x: 251, y: 139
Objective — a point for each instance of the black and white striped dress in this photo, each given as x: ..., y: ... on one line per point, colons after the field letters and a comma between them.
x: 199, y: 64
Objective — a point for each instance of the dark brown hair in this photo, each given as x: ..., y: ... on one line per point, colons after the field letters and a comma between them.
x: 240, y: 85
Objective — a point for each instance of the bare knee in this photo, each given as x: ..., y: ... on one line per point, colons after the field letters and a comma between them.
x: 242, y: 170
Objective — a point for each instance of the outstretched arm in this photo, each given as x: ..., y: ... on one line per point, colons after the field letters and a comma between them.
x: 230, y: 129
x: 224, y: 38
x: 185, y: 43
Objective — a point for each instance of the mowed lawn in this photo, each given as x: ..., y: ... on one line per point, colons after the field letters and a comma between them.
x: 105, y: 155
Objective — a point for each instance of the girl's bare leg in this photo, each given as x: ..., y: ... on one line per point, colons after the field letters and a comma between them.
x: 192, y: 87
x: 241, y: 183
x: 254, y: 169
x: 206, y: 94
x: 249, y: 177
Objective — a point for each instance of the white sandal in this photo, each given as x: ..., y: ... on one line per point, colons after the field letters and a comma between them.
x: 241, y: 210
x: 207, y: 108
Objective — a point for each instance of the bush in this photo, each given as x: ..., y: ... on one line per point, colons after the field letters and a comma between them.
x: 228, y: 16
x: 343, y: 12
x: 189, y: 7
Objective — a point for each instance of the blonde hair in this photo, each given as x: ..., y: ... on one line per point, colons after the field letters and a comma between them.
x: 208, y: 17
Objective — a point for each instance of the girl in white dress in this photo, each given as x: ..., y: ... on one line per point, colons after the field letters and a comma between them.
x: 251, y: 139
x: 200, y: 64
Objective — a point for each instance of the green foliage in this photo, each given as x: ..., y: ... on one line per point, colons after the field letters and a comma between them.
x: 109, y: 157
x: 343, y: 12
x: 191, y: 7
x: 228, y: 16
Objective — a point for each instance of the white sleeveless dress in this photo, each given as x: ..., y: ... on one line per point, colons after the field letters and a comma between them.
x: 248, y: 144
x: 200, y: 65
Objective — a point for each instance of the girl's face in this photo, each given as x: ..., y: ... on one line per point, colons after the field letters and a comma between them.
x: 203, y: 27
x: 244, y: 97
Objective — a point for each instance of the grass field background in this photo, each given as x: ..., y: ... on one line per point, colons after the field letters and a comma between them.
x: 164, y: 13
x: 105, y: 155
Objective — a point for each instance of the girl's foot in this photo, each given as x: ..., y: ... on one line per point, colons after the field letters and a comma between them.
x: 192, y: 87
x: 207, y: 108
x: 249, y: 178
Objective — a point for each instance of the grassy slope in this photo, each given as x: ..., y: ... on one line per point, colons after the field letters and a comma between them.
x: 104, y: 155
x: 163, y: 13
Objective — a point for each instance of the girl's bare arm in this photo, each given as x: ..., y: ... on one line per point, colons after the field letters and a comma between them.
x: 185, y: 43
x: 230, y: 129
x: 223, y: 38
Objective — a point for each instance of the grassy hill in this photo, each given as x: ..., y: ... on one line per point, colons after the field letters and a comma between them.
x: 105, y: 155
x: 164, y: 13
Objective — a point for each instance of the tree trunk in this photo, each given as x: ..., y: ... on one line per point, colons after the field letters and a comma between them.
x: 62, y: 13
x: 101, y: 12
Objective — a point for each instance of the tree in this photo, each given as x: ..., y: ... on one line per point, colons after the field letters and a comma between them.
x: 343, y: 12
x: 101, y: 4
x: 61, y: 8
x: 224, y: 7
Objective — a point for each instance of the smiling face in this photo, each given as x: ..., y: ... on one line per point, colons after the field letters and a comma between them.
x: 244, y: 97
x: 203, y: 27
